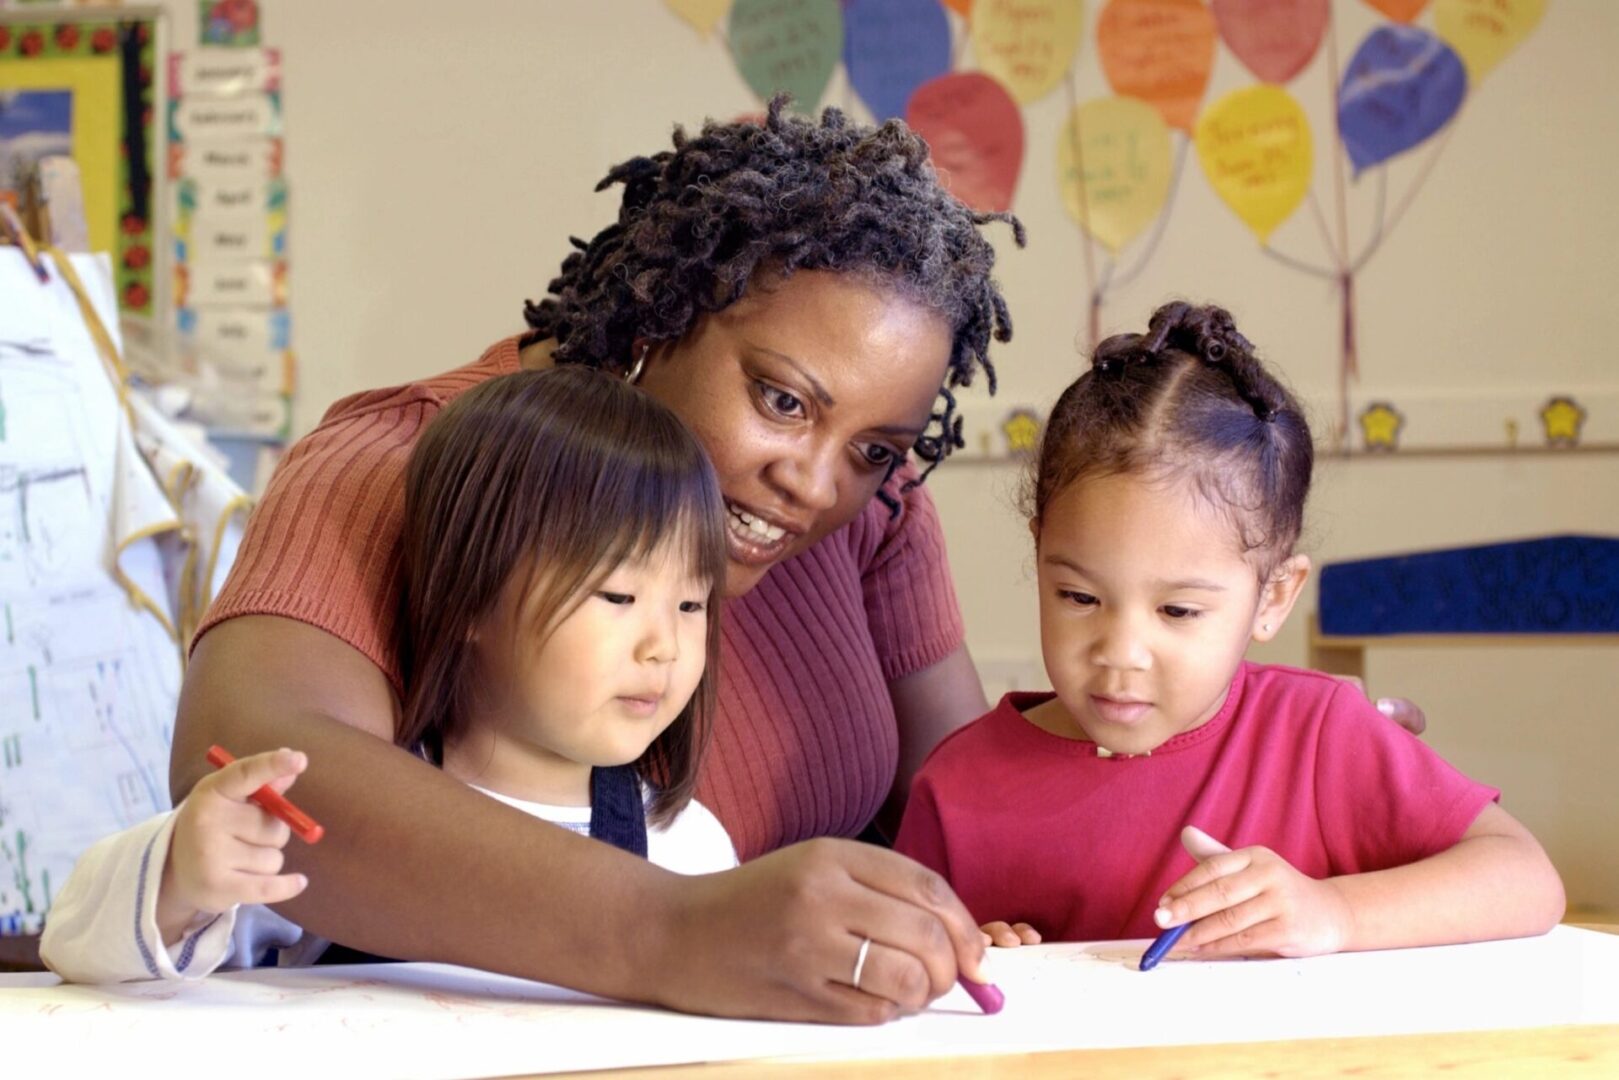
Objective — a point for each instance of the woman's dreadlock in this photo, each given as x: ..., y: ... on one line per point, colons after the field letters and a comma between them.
x: 788, y: 193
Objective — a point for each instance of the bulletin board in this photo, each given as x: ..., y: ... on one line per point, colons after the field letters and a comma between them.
x: 1330, y: 138
x: 86, y: 82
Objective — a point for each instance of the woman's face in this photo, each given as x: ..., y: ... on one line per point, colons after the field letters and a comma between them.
x: 804, y: 392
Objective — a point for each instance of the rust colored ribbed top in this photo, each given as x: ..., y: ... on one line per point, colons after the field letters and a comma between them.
x: 805, y: 742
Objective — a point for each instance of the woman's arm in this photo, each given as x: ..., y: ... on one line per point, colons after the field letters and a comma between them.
x: 417, y: 866
x: 928, y: 705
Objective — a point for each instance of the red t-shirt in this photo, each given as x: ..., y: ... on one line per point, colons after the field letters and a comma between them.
x: 805, y: 742
x: 1031, y: 827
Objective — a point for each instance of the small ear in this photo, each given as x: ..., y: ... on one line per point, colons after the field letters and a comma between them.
x: 1034, y: 529
x: 1280, y: 593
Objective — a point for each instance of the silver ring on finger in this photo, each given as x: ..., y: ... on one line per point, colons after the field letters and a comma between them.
x: 860, y: 962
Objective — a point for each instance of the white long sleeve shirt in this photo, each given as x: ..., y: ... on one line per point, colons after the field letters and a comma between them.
x: 102, y: 927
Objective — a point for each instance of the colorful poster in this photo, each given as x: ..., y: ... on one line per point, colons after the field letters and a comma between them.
x: 33, y: 124
x: 233, y: 23
x: 96, y: 63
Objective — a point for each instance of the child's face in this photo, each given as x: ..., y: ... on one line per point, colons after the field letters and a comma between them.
x: 613, y: 674
x: 1146, y: 607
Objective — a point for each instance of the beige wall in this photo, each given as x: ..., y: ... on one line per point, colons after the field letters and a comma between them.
x: 440, y: 154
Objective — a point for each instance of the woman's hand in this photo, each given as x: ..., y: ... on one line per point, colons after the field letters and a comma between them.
x: 782, y: 936
x: 1252, y: 902
x: 226, y: 850
x: 1009, y: 935
x: 1402, y: 711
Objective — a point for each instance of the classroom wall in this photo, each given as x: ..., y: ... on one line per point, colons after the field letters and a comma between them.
x: 440, y: 155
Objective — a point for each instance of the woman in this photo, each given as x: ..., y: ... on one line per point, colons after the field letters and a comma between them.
x: 805, y: 297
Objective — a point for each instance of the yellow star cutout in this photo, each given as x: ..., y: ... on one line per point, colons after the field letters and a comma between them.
x: 1380, y: 425
x: 1562, y: 417
x: 1022, y: 430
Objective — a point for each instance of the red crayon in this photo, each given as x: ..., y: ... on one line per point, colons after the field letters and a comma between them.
x: 274, y: 802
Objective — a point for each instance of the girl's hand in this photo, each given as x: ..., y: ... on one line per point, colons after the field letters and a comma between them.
x: 226, y: 850
x: 1252, y: 902
x: 1008, y: 936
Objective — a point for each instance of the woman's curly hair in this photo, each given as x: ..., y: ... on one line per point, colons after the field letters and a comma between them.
x: 783, y: 194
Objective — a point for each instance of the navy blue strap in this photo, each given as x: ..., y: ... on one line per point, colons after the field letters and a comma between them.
x: 617, y: 814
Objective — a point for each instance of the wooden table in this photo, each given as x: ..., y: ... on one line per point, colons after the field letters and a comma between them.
x: 20, y: 953
x: 1574, y: 1053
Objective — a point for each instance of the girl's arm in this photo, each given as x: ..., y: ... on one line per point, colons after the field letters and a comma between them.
x: 416, y: 866
x: 1496, y: 882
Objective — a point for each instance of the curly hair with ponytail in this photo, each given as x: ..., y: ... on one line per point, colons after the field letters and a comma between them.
x: 1187, y: 398
x: 786, y: 193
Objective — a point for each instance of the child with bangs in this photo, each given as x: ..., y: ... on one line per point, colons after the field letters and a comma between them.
x: 1166, y: 503
x: 562, y: 550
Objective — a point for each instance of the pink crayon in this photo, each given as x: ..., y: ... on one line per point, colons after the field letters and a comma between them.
x: 987, y: 995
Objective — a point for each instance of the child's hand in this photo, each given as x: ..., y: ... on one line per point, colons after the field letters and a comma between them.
x: 1252, y: 902
x: 226, y: 850
x: 1009, y: 936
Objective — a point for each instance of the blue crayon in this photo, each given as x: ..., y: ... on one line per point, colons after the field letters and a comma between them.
x: 1161, y: 945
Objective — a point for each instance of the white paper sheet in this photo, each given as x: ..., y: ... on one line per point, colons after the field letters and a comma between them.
x: 88, y: 680
x: 428, y: 1021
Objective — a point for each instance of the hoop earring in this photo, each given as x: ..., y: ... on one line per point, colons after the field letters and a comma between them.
x: 636, y: 368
